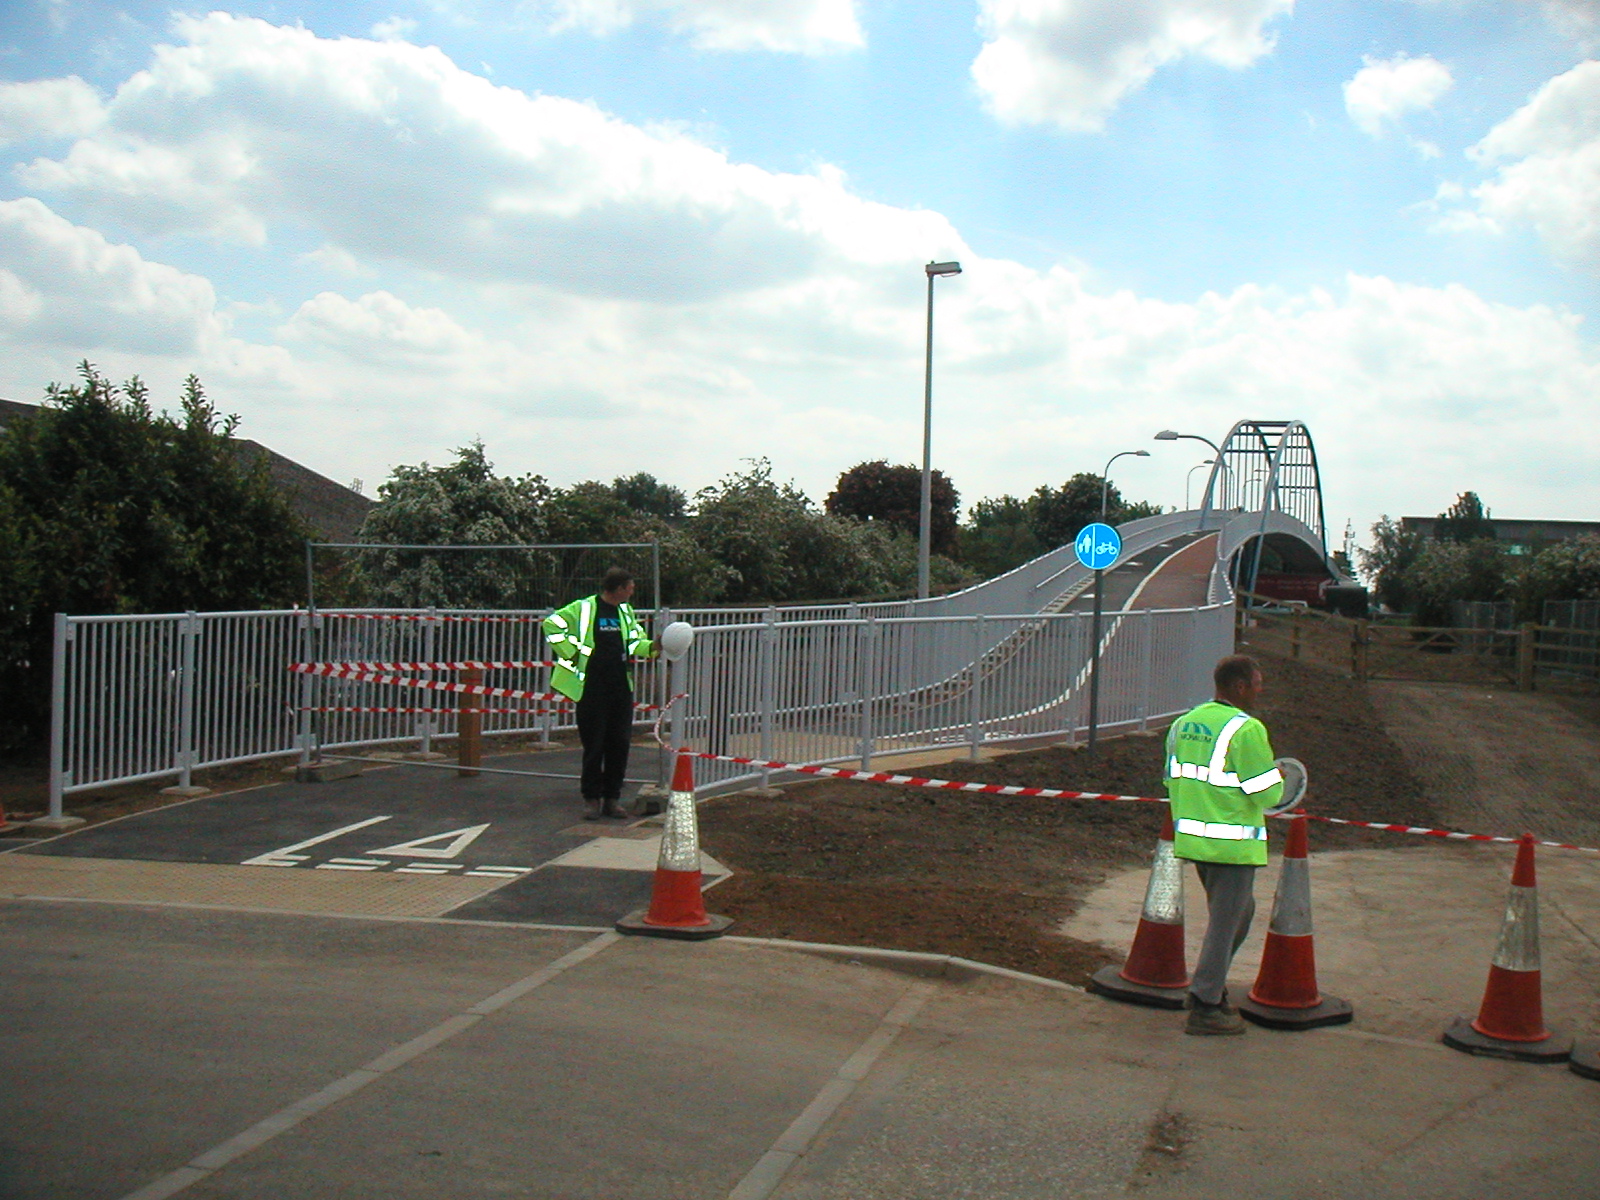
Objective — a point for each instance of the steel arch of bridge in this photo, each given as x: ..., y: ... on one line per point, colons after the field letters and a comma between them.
x: 1267, y: 467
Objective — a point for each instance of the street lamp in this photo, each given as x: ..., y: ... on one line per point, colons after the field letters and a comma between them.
x: 925, y: 523
x: 1189, y: 479
x: 1172, y: 435
x: 1105, y: 477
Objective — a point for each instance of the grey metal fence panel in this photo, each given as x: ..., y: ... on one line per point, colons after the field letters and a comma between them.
x: 148, y: 697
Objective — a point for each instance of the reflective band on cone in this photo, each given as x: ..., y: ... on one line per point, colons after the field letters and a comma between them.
x: 677, y: 907
x: 1155, y: 973
x: 1285, y: 994
x: 1510, y: 1021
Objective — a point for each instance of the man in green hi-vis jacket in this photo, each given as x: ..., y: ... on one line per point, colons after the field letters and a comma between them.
x: 1221, y: 779
x: 594, y: 640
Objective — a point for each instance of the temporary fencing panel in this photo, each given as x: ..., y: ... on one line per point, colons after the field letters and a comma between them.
x: 160, y: 696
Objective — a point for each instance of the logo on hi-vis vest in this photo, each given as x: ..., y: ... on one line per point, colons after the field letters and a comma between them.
x: 1194, y: 731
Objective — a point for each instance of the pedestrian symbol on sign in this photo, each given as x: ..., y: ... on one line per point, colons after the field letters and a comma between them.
x: 1098, y: 546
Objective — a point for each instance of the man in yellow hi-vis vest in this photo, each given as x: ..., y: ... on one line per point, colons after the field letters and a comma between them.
x: 594, y: 640
x: 1221, y: 779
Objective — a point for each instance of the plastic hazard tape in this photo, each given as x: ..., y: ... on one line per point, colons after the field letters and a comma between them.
x: 339, y: 671
x: 353, y: 708
x: 344, y: 616
x: 997, y: 789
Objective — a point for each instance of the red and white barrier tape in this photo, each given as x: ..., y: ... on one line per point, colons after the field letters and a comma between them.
x: 432, y: 685
x: 353, y: 708
x: 337, y: 669
x: 343, y: 616
x: 996, y: 789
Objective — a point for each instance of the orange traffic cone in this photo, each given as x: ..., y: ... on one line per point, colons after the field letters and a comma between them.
x: 1155, y: 973
x: 1510, y: 1021
x: 1285, y: 994
x: 677, y: 908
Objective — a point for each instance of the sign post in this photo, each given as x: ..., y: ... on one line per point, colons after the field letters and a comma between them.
x: 1097, y: 547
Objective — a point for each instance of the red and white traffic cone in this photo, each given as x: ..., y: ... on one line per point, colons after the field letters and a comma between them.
x: 1510, y: 1021
x: 1285, y: 994
x: 677, y: 908
x: 1155, y: 973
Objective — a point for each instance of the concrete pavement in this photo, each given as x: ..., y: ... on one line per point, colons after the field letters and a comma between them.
x: 166, y: 1050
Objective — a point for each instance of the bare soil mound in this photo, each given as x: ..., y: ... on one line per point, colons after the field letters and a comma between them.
x: 991, y: 877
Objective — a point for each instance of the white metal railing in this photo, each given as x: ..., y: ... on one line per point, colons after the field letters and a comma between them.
x: 147, y: 697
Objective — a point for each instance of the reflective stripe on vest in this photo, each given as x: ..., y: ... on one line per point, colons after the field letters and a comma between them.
x: 1261, y: 782
x: 1220, y: 831
x: 1178, y: 770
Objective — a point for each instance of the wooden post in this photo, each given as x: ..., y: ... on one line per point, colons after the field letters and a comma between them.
x: 1294, y: 633
x: 469, y: 725
x: 1527, y: 644
x: 1358, y: 650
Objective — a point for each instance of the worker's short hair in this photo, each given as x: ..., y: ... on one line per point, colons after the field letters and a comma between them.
x: 616, y: 578
x: 1234, y: 670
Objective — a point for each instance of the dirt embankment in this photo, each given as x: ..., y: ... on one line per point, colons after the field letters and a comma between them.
x: 990, y: 877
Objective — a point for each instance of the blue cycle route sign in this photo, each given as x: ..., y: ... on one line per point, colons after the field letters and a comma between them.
x: 1098, y: 546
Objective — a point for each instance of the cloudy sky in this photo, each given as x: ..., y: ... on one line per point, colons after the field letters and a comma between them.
x: 668, y: 235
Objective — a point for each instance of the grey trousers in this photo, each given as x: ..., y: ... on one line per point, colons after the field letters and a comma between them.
x: 1231, y: 905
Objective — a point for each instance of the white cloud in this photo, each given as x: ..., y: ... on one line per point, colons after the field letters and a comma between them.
x: 48, y: 108
x: 66, y: 285
x: 795, y: 26
x: 251, y: 125
x: 381, y: 328
x: 1385, y: 91
x: 394, y: 29
x: 1547, y: 160
x: 1069, y: 62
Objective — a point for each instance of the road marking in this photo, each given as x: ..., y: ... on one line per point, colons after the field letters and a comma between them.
x: 285, y: 856
x: 423, y: 847
x: 361, y: 862
x: 207, y: 1164
x: 764, y: 1178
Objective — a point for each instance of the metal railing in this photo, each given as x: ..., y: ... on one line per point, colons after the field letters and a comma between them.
x: 149, y: 697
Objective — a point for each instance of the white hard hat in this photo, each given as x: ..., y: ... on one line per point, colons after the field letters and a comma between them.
x: 676, y: 640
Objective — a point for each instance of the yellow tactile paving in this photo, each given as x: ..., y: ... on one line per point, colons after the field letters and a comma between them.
x: 289, y: 889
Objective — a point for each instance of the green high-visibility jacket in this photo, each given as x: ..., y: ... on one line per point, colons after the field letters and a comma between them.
x: 1221, y: 777
x: 570, y: 633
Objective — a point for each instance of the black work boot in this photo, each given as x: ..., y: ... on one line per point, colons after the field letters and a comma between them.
x: 614, y: 809
x: 591, y: 810
x: 1212, y: 1020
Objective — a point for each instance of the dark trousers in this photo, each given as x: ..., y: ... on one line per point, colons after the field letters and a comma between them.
x: 605, y: 725
x: 1230, y: 905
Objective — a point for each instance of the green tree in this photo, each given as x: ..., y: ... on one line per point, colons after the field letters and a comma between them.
x: 645, y: 494
x: 1464, y: 521
x: 106, y: 507
x: 997, y: 537
x: 1057, y: 514
x: 1394, y: 549
x: 462, y: 504
x: 875, y: 491
x: 1567, y: 570
x: 1443, y: 572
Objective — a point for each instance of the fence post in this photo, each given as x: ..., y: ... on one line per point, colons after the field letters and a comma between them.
x: 866, y: 654
x: 1527, y: 647
x: 429, y: 649
x: 767, y: 648
x: 1145, y: 669
x: 1294, y: 633
x: 60, y: 780
x: 187, y: 631
x: 975, y: 691
x: 469, y: 725
x: 307, y: 655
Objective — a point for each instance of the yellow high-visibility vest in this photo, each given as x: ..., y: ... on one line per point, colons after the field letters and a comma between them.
x: 1220, y: 778
x: 570, y: 634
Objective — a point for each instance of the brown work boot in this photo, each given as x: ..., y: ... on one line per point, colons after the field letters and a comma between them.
x: 1212, y: 1020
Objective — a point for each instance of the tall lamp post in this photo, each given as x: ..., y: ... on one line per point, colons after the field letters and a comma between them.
x: 925, y: 523
x: 1172, y: 435
x: 1105, y: 476
x: 1189, y: 479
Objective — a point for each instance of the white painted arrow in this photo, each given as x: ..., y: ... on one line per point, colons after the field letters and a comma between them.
x: 285, y: 856
x: 425, y: 847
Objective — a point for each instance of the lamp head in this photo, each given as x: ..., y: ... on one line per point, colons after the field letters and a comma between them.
x: 1167, y: 435
x: 1141, y: 453
x: 944, y: 268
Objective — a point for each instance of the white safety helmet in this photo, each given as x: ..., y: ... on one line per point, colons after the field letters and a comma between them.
x: 676, y: 640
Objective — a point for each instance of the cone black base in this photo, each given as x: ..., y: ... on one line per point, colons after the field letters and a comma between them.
x: 1106, y: 982
x: 1586, y: 1060
x: 1462, y: 1036
x: 1331, y: 1011
x: 634, y: 923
